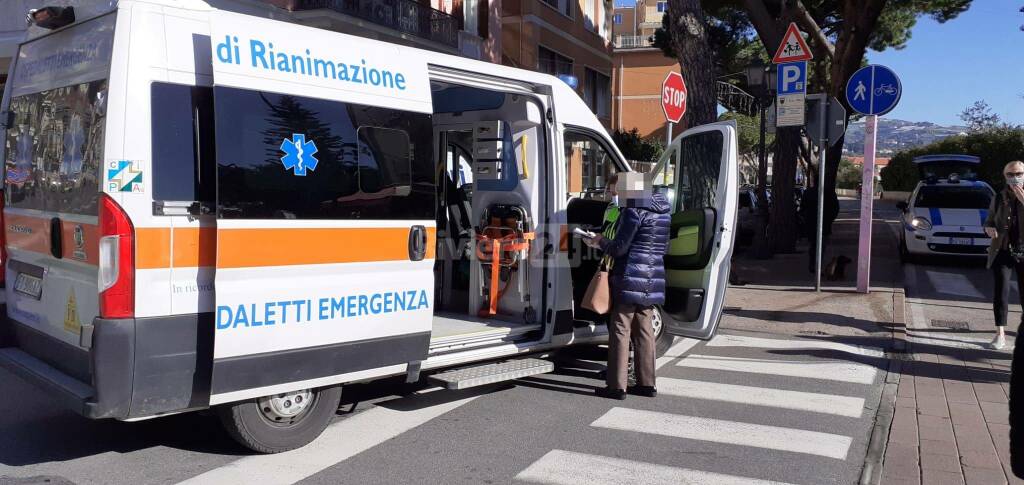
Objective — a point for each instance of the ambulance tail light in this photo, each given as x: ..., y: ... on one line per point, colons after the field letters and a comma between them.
x: 117, y: 261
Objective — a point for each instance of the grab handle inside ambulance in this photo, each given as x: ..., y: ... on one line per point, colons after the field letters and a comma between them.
x: 56, y: 238
x: 417, y: 243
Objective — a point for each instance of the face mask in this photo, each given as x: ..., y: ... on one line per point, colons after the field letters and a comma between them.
x: 615, y: 199
x: 1012, y: 180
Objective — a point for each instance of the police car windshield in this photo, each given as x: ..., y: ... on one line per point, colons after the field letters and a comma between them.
x: 945, y: 197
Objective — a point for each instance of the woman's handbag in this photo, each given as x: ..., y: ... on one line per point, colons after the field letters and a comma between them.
x: 598, y: 296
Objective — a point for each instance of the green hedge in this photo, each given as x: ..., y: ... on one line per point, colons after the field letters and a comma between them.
x: 996, y: 147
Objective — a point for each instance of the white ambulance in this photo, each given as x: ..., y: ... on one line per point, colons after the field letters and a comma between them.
x: 210, y: 209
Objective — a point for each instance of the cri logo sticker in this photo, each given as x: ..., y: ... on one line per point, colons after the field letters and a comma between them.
x: 124, y: 176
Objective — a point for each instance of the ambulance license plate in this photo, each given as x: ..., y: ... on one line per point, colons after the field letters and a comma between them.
x: 29, y: 285
x: 962, y: 241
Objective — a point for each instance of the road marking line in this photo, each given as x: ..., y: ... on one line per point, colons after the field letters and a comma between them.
x: 560, y: 467
x: 727, y: 432
x: 675, y: 351
x: 831, y: 371
x: 724, y: 340
x: 761, y: 396
x: 340, y: 441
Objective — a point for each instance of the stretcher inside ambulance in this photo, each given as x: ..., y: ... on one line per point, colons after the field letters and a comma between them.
x: 245, y: 214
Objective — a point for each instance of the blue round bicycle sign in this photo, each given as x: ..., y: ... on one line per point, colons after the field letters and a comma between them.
x: 873, y: 90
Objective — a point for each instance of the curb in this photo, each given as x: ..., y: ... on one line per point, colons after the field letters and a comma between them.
x: 871, y: 474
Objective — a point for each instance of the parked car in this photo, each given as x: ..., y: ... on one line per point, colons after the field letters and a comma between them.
x: 945, y: 217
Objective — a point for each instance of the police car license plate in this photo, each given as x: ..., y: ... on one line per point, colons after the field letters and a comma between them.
x: 29, y: 285
x: 962, y: 241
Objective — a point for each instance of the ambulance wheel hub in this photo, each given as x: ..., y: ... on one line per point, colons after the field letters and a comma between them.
x: 285, y: 408
x: 656, y: 323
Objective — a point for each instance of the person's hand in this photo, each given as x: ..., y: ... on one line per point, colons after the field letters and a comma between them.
x: 594, y: 242
x: 991, y: 232
x: 1018, y: 191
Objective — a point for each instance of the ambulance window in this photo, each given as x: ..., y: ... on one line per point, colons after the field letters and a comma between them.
x: 55, y: 148
x: 183, y: 154
x: 588, y: 165
x: 384, y: 160
x: 283, y: 156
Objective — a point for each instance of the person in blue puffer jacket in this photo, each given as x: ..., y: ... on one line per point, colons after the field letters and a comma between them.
x: 637, y: 283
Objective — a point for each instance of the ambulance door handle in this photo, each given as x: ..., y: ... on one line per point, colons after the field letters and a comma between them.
x: 417, y: 243
x: 56, y: 238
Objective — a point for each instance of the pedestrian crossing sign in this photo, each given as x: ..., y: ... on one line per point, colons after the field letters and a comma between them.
x: 793, y: 47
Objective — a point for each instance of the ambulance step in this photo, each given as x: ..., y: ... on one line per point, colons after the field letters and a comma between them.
x: 467, y: 377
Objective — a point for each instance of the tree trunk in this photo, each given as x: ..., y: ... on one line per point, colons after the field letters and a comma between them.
x: 690, y: 41
x: 783, y: 230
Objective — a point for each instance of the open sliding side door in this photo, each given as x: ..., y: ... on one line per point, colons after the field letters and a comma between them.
x: 325, y: 209
x: 699, y: 172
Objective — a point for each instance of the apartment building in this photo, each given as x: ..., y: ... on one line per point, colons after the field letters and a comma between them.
x: 639, y: 69
x: 471, y: 28
x: 567, y: 38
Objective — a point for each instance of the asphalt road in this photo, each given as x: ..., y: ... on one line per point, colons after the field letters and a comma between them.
x: 744, y: 408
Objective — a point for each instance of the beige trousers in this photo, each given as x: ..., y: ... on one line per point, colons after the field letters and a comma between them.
x: 626, y: 321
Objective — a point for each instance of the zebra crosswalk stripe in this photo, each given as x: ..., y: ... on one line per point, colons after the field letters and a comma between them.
x: 847, y: 406
x: 725, y: 340
x: 560, y: 467
x: 832, y: 371
x: 726, y: 432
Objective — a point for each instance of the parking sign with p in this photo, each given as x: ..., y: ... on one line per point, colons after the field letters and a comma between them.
x: 792, y: 78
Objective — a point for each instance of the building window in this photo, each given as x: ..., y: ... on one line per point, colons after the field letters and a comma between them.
x: 662, y: 6
x: 564, y: 6
x: 597, y: 93
x: 551, y: 62
x: 589, y: 15
x: 617, y: 19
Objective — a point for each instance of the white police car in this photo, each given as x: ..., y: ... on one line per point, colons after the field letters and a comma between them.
x: 946, y: 212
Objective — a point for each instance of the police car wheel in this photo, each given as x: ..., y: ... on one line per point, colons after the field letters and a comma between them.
x: 281, y: 422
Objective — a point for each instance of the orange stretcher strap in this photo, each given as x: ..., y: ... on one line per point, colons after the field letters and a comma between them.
x: 495, y: 270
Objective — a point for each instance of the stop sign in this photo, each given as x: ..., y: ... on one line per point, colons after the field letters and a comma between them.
x: 673, y: 97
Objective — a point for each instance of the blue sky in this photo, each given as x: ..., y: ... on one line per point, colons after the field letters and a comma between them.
x: 946, y: 67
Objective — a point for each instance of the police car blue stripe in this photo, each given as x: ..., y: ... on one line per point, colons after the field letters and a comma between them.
x: 936, y: 216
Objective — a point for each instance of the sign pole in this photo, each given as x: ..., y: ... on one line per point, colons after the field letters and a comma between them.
x: 668, y: 138
x: 822, y: 151
x: 867, y: 201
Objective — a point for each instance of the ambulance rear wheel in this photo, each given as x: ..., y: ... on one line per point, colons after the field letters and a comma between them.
x: 281, y: 422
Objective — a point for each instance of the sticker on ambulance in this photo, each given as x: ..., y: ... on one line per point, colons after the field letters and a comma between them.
x: 71, y: 323
x: 299, y: 154
x: 29, y: 285
x: 124, y: 176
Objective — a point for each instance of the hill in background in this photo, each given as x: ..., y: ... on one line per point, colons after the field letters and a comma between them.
x: 896, y: 135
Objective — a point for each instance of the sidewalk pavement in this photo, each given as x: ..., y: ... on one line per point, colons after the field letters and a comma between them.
x: 943, y: 416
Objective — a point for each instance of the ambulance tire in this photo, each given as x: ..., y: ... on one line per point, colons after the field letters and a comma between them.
x: 662, y: 339
x: 250, y: 425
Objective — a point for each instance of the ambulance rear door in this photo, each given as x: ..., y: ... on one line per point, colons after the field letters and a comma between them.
x: 58, y: 100
x: 325, y: 208
x: 700, y: 173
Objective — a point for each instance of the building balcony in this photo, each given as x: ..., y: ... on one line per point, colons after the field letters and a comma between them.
x: 633, y: 42
x: 405, y: 16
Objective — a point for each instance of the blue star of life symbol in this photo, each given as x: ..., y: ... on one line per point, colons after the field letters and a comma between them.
x: 299, y: 154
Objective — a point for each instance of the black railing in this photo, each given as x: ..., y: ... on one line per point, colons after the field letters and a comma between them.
x: 402, y: 15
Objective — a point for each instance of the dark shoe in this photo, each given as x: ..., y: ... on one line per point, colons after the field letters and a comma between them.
x: 610, y: 393
x: 646, y: 391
